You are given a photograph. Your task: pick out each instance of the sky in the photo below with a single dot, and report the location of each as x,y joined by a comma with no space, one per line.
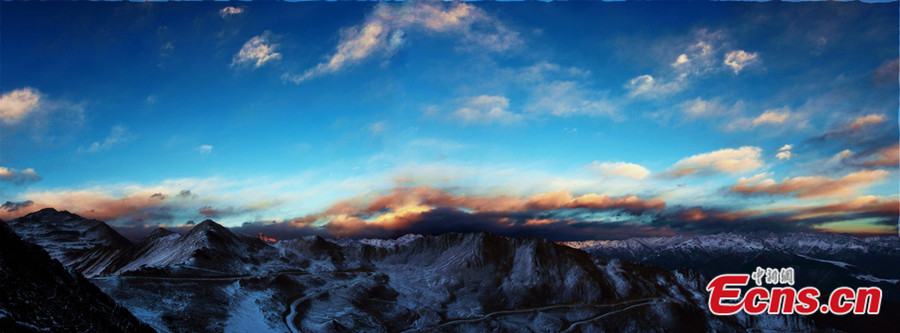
568,121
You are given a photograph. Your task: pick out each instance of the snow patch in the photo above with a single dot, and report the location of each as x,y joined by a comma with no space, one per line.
876,279
246,316
840,264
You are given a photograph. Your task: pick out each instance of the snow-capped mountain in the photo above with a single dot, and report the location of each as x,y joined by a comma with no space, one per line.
38,294
729,252
823,260
208,249
210,279
86,245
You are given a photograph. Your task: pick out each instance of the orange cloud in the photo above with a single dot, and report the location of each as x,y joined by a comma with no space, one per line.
738,215
809,187
93,205
864,204
695,214
886,157
866,120
605,202
739,160
403,207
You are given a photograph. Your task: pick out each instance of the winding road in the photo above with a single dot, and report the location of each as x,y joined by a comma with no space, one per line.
292,308
643,301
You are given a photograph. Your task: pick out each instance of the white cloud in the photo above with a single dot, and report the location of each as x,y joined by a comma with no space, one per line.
384,30
782,116
486,109
784,153
205,149
18,177
622,169
228,11
699,107
378,127
844,154
569,98
649,87
729,160
257,51
15,104
117,135
772,117
682,60
739,59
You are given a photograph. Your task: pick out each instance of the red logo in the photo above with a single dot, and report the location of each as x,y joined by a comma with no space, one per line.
725,297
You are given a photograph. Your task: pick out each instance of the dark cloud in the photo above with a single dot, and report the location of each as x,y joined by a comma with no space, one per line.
282,230
10,206
186,194
159,196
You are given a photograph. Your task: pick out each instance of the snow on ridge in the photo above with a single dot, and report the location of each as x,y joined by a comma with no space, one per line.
402,240
800,242
871,278
840,264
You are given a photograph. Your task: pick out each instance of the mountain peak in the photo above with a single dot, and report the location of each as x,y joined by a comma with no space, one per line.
159,233
209,225
50,212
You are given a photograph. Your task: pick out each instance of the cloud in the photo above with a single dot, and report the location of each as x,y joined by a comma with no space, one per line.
10,206
16,104
771,117
131,206
887,72
117,135
649,87
405,208
782,117
784,153
699,107
18,177
569,98
622,169
889,156
257,51
682,60
90,204
810,187
204,149
739,59
863,204
377,128
729,160
694,59
866,120
229,11
486,109
383,33
843,155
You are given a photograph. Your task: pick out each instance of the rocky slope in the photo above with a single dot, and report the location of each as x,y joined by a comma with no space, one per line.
38,294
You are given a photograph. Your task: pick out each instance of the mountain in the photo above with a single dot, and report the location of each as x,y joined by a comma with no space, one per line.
38,294
456,282
210,279
823,260
86,245
207,249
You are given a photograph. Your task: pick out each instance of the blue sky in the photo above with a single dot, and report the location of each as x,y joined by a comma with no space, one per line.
567,120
